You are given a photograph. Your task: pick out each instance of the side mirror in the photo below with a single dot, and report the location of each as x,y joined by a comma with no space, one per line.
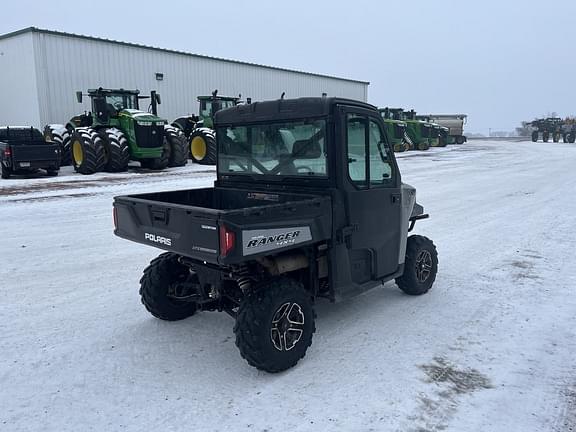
158,99
79,96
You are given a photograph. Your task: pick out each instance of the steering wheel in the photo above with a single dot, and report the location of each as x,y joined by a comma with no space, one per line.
119,106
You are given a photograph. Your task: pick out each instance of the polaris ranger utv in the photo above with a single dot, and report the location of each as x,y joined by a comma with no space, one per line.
308,203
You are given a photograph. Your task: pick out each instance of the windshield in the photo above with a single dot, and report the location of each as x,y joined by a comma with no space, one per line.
122,101
279,149
206,106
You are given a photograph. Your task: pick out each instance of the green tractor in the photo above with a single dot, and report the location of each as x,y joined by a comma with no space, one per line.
199,129
551,126
117,131
418,132
438,133
395,130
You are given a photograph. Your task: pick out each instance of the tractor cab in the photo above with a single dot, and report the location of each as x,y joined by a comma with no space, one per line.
108,104
210,105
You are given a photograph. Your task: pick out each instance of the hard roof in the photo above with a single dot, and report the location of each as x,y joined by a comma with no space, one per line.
92,38
284,109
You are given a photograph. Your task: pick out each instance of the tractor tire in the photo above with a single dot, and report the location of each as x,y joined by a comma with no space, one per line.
545,136
117,150
399,148
535,136
203,146
275,324
88,153
423,146
58,134
571,137
460,140
178,146
420,266
185,124
556,137
156,284
6,172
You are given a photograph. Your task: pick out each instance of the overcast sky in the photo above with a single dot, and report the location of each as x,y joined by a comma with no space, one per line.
499,61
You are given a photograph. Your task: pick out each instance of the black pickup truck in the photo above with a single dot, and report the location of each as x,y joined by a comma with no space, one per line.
308,203
23,151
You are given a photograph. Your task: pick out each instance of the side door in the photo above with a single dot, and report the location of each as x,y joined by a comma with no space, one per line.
372,189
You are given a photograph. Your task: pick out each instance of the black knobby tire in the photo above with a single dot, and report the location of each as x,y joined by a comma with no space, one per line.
535,136
420,266
556,137
178,146
155,286
116,148
87,148
185,124
545,136
423,146
459,139
264,336
59,134
571,137
5,171
203,146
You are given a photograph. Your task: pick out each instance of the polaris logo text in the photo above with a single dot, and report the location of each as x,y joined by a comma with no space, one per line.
278,240
158,239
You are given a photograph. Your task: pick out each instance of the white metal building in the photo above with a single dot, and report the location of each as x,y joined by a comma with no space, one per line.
40,70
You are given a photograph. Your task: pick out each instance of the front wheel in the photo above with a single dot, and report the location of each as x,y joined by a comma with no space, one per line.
275,324
420,266
178,146
545,136
160,285
203,146
571,137
535,136
556,137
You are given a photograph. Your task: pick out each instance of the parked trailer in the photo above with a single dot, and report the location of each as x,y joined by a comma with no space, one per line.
455,123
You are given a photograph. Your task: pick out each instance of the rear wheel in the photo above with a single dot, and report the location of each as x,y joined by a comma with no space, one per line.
556,137
460,139
159,288
117,150
545,136
88,154
275,324
178,146
535,136
571,137
420,266
203,146
59,134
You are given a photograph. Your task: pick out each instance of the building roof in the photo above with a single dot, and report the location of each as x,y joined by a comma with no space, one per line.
92,38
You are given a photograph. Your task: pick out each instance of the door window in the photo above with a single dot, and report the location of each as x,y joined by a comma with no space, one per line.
380,169
369,159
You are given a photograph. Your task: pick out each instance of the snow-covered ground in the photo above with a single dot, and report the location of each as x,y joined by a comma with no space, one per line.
491,348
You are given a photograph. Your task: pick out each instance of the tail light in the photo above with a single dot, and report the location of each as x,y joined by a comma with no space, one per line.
227,240
8,152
